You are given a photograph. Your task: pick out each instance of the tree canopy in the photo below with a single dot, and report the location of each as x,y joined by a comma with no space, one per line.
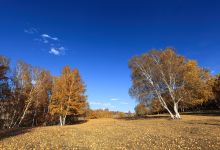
170,78
68,95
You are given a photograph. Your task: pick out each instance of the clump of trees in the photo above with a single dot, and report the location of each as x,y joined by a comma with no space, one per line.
213,104
100,113
106,113
216,89
141,110
171,80
31,96
120,115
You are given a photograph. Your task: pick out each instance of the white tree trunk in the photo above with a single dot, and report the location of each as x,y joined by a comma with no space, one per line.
24,113
64,120
61,121
171,114
175,107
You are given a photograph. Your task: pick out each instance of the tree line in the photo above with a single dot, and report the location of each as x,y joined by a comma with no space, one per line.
31,96
104,113
164,81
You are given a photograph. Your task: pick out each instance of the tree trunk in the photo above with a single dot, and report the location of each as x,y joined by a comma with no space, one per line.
175,108
64,120
12,120
24,113
33,120
61,121
171,114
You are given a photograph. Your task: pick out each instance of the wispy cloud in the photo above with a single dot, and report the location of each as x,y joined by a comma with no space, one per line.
48,37
45,38
114,99
31,30
124,103
95,103
117,100
53,43
102,104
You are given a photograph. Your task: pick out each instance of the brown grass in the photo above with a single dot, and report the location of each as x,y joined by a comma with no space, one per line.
191,132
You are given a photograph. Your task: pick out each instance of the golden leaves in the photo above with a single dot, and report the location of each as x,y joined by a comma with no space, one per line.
68,93
192,132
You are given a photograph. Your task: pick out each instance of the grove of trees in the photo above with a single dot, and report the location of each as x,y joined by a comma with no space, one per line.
162,81
167,81
141,110
31,96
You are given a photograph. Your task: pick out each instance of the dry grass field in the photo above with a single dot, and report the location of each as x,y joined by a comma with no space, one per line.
191,132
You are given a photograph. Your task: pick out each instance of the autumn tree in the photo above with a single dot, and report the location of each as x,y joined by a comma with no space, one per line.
68,95
42,83
198,86
121,115
100,113
155,107
141,110
5,92
216,89
24,90
30,92
170,78
4,83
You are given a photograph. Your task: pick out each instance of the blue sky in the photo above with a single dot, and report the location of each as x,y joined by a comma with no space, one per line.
100,36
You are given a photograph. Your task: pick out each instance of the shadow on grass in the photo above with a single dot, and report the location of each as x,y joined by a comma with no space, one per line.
13,132
18,131
76,122
206,123
203,113
147,117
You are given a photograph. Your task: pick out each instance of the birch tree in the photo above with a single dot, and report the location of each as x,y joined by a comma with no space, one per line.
30,89
166,76
22,89
42,83
68,95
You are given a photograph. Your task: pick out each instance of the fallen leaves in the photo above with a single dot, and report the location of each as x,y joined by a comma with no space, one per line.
121,135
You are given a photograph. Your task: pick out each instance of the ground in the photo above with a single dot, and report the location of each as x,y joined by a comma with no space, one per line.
191,132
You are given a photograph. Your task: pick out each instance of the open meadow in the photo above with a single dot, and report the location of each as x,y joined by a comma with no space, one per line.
110,75
157,132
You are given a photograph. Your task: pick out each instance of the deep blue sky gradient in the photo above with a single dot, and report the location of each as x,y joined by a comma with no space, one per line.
100,36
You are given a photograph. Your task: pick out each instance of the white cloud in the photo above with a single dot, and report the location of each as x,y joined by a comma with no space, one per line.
54,51
114,99
55,38
46,36
95,103
124,103
103,105
57,51
52,43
